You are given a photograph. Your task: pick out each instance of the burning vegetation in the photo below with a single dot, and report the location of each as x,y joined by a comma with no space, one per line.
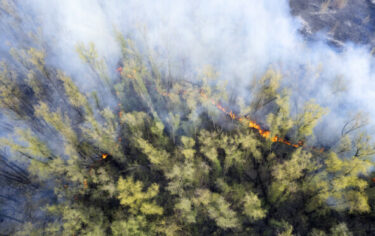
171,157
174,161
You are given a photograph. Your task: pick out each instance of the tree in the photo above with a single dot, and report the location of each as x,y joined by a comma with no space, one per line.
171,157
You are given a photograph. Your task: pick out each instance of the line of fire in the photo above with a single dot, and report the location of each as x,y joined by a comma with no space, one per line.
245,120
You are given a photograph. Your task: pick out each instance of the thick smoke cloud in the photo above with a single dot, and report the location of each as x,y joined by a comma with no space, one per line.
239,38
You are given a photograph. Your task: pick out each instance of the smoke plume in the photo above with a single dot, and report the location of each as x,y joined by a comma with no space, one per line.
240,39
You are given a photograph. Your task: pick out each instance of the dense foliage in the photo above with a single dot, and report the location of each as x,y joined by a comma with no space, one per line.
156,157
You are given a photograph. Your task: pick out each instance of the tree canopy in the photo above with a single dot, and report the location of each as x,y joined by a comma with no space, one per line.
167,156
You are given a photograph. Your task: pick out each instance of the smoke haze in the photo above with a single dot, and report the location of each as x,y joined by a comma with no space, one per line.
241,39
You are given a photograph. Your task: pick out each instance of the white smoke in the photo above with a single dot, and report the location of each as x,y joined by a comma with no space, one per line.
239,38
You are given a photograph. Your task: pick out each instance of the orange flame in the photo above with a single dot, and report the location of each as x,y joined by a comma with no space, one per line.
85,185
104,156
119,69
252,124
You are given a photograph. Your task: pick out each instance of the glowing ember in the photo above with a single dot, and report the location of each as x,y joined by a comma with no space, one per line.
104,156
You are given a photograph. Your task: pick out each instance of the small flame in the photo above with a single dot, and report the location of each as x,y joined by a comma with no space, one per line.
85,185
104,156
119,69
232,115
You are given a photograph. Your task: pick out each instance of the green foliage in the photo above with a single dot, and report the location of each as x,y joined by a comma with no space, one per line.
280,121
35,147
76,98
10,93
159,158
184,208
131,195
89,55
308,119
283,228
347,187
340,229
165,161
252,207
288,174
133,226
58,121
218,209
37,59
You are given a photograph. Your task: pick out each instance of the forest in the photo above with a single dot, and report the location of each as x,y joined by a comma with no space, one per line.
151,153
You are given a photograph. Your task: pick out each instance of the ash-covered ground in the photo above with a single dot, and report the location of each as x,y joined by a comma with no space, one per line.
340,21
